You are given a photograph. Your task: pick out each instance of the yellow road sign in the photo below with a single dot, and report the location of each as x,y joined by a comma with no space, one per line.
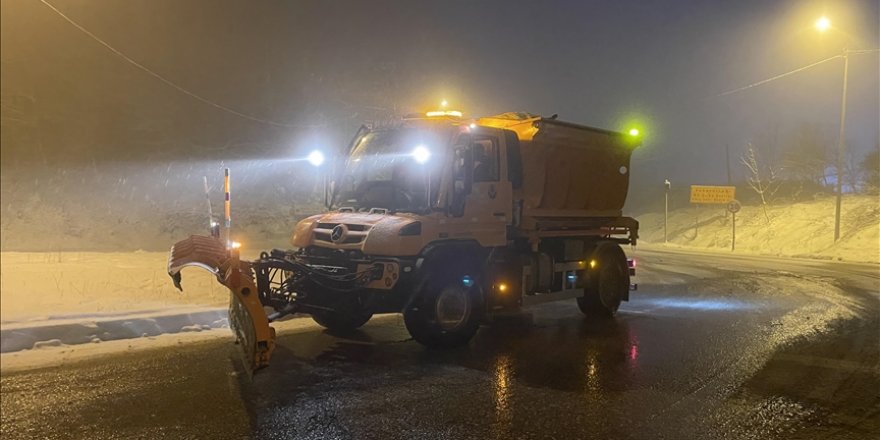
712,194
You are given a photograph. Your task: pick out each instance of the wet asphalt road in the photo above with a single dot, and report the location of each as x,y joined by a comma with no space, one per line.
709,347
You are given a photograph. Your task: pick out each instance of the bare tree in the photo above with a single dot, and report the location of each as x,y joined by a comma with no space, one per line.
852,172
870,171
762,178
805,157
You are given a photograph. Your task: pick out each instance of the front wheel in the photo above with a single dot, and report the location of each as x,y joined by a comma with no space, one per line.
446,315
607,283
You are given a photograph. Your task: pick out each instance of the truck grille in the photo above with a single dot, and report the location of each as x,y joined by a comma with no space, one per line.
353,234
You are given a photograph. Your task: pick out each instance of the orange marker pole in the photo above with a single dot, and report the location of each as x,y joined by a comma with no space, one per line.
226,210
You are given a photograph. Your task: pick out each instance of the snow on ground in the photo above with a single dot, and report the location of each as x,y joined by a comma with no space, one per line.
37,286
800,229
63,298
71,268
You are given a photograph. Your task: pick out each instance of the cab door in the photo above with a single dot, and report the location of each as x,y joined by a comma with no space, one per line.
482,195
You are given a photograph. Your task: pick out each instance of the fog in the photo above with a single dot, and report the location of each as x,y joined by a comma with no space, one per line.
245,84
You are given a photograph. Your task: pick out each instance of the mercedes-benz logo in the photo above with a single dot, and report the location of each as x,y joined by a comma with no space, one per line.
338,233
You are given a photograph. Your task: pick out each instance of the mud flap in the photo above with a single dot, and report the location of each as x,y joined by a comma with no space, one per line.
247,319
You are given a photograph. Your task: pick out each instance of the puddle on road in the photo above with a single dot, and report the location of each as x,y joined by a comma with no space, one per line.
715,304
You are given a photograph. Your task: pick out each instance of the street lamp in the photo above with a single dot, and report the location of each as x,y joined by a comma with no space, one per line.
822,25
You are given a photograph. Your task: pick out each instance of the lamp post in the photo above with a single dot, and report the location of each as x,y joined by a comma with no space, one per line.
841,148
823,24
666,185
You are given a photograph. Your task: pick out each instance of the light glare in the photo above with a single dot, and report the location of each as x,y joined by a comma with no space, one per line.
633,131
421,154
823,24
435,113
316,158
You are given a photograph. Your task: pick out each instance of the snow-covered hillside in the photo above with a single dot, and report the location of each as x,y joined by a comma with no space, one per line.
132,208
799,229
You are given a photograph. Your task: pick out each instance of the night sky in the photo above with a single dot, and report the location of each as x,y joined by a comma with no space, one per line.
325,67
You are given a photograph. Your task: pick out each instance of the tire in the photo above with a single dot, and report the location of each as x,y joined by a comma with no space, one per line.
346,317
446,314
608,282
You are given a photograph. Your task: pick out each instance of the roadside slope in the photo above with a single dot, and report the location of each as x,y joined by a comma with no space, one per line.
802,229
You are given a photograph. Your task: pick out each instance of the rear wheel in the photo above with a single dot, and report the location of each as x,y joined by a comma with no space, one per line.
446,315
608,281
346,316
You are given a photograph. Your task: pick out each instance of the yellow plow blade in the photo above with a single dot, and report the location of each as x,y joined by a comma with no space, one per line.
247,319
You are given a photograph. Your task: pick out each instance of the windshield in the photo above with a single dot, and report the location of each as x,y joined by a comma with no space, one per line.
394,169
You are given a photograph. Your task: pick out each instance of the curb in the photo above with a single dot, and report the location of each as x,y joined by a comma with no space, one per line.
53,333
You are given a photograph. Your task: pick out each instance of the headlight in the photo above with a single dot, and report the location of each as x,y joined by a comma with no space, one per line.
421,154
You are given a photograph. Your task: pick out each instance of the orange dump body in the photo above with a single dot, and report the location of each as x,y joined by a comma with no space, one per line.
569,170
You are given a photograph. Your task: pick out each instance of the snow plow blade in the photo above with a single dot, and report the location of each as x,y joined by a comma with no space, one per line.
247,319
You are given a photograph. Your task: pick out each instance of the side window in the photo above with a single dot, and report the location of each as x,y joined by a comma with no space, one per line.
485,150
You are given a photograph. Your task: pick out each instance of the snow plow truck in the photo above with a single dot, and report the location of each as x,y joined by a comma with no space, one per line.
450,222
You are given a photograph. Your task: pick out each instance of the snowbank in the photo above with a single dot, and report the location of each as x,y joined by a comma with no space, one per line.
72,331
800,229
38,286
65,298
57,353
61,354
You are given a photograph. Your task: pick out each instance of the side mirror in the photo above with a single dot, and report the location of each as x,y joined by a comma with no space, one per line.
463,179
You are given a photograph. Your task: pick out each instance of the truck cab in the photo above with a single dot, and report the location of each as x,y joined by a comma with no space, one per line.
423,180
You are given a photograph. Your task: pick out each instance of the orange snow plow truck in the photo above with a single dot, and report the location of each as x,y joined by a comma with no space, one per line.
447,221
